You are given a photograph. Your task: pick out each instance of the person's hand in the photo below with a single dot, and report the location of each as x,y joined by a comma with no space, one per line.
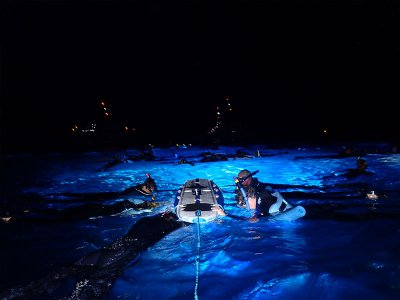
254,219
218,209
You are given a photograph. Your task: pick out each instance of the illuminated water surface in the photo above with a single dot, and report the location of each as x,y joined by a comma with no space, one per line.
346,246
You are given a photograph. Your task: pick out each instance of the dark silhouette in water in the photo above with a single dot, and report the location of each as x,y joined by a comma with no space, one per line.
346,152
123,158
361,169
147,188
118,159
211,157
93,209
185,161
94,274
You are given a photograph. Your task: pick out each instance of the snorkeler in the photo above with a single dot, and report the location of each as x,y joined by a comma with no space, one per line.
93,206
361,169
256,195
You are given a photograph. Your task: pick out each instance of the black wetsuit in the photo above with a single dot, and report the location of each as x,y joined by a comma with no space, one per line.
131,191
94,274
95,210
263,193
93,206
352,173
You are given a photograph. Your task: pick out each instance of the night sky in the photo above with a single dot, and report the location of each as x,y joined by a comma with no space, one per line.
289,68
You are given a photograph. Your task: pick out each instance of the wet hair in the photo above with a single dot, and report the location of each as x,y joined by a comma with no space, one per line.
150,184
244,173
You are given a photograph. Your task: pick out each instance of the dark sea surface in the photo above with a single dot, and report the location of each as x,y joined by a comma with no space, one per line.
346,247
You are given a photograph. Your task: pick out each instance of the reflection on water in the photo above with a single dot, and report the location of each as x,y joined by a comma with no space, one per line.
346,246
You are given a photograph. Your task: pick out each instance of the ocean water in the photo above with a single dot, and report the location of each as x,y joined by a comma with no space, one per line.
346,246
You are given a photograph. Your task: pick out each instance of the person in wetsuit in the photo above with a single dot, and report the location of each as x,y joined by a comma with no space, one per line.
93,206
147,188
361,169
255,195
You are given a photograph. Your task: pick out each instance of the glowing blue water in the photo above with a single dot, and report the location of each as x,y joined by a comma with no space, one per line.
347,246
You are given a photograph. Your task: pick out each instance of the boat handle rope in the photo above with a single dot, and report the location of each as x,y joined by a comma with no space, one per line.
196,297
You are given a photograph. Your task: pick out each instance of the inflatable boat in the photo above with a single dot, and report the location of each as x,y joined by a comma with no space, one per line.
194,201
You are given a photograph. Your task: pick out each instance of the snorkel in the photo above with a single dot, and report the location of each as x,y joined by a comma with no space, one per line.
241,188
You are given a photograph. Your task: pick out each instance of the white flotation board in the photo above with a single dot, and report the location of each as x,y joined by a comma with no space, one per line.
290,214
194,201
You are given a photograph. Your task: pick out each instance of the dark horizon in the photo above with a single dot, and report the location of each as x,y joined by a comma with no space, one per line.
290,69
